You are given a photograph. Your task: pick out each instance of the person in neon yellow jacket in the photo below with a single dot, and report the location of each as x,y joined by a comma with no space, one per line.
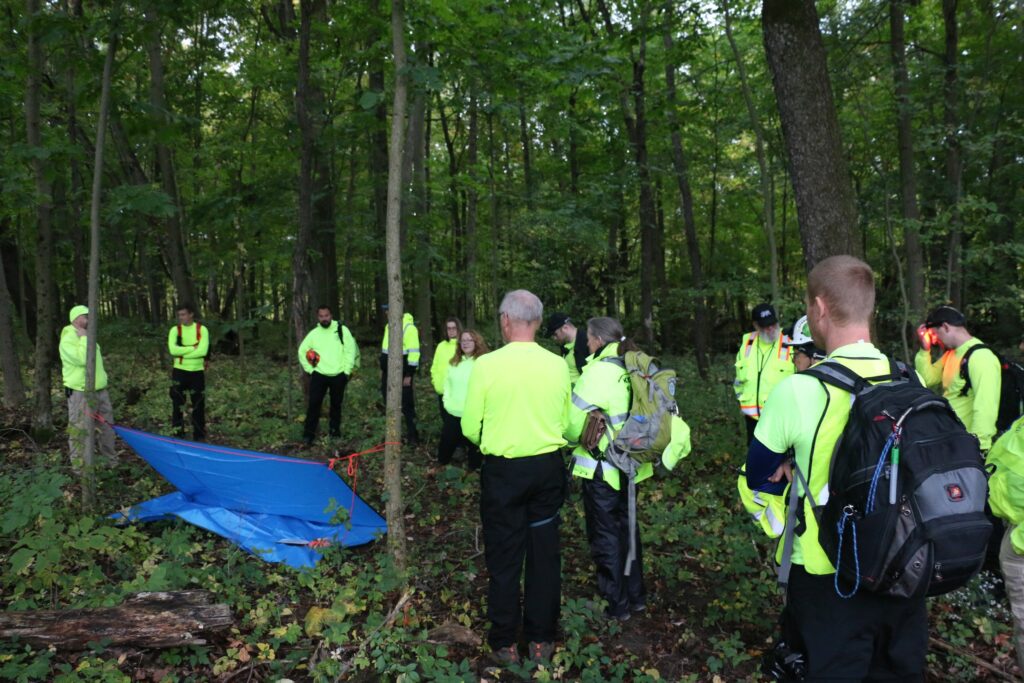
456,386
410,364
973,391
188,342
863,636
516,412
443,354
329,354
763,360
1006,498
73,348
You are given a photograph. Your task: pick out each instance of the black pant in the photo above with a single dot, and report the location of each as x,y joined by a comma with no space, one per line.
451,438
408,402
319,385
864,638
751,425
607,515
194,382
519,503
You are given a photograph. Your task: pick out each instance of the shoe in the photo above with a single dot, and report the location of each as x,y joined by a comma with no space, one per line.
507,655
624,616
540,652
638,607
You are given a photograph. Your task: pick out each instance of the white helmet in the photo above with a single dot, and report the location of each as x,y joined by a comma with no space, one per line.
801,333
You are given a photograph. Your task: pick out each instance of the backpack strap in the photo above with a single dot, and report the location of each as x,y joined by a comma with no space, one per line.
790,529
838,375
965,374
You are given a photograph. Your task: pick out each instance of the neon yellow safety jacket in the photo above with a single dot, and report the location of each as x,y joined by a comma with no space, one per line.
759,367
410,341
439,367
517,401
809,416
603,386
456,386
1006,485
72,359
338,355
570,361
979,409
767,509
189,346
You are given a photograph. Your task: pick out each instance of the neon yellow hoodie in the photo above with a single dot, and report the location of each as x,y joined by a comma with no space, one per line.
336,356
195,344
439,367
72,359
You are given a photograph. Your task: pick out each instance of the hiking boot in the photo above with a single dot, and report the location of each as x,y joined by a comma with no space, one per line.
624,616
540,652
638,607
507,655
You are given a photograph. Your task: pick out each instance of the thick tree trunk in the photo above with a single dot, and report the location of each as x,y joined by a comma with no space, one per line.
764,173
637,124
682,172
75,231
144,620
908,174
825,202
14,387
418,141
954,163
42,418
396,299
302,302
176,252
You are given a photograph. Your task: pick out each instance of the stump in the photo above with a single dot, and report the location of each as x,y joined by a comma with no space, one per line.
159,619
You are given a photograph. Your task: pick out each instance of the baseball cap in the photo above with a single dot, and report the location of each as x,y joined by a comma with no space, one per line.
77,311
555,321
945,314
764,315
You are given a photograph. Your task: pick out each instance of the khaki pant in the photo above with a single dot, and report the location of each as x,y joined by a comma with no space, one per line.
76,426
1012,565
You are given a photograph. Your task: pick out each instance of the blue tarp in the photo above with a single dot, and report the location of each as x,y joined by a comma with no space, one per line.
271,505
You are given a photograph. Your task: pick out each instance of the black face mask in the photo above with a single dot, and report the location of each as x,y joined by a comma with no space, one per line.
325,323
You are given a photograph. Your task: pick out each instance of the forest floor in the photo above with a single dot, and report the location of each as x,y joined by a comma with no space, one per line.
711,612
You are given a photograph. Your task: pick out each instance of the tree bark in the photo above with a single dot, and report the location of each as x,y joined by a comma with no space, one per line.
471,214
42,417
954,163
14,387
396,299
144,620
682,171
176,252
524,140
379,159
764,173
825,202
908,174
301,280
88,472
418,141
75,232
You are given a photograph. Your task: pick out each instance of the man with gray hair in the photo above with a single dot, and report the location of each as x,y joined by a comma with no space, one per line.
516,412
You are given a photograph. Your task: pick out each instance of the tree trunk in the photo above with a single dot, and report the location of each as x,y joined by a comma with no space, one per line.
88,471
173,619
301,294
825,202
42,418
379,160
681,165
75,231
954,164
396,299
14,387
420,224
176,253
637,124
908,175
524,140
471,212
767,193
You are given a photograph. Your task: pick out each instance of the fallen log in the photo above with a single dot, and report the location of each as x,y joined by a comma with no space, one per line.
156,619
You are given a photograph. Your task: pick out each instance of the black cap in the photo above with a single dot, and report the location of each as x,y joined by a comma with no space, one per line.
555,321
763,315
945,314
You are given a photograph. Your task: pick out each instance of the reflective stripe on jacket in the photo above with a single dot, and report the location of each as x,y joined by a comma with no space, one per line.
410,341
759,367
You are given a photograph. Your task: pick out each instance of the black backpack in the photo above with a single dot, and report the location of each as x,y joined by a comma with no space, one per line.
1011,393
905,515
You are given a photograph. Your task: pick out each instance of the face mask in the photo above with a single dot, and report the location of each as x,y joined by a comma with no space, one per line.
325,324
